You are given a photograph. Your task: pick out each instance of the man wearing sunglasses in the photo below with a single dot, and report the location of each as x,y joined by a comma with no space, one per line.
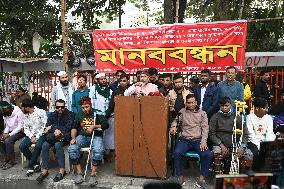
58,134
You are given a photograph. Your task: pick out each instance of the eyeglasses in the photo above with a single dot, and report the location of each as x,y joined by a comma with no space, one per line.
58,107
123,80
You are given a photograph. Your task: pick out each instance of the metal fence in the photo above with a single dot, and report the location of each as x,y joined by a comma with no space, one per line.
42,82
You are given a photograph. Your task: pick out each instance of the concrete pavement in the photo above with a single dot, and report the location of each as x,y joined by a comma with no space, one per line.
15,178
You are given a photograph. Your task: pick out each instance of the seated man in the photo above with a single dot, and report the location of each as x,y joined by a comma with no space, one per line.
86,122
260,129
34,124
194,134
58,133
220,134
13,121
142,87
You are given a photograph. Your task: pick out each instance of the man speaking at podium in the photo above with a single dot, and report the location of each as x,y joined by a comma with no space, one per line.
143,87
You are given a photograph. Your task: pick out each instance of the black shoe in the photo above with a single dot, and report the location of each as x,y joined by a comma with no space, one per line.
41,177
58,177
30,172
36,168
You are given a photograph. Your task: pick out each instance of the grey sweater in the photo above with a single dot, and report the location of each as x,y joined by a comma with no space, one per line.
221,129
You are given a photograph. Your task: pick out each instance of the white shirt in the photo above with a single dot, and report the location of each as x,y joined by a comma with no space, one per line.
203,90
260,129
34,123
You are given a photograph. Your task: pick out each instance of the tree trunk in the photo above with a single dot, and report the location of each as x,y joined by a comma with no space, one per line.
168,12
181,10
241,9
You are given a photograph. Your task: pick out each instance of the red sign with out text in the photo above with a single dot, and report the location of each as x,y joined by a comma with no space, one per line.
172,48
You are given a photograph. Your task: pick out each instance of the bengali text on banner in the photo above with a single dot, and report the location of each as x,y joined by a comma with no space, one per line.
172,48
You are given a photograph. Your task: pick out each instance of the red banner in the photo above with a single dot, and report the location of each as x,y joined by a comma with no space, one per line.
172,48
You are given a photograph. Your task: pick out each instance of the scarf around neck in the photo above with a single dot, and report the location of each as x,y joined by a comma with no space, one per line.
104,91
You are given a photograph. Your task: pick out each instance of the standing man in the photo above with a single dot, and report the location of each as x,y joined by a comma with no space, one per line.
178,95
79,93
87,122
100,94
230,87
262,88
109,133
115,84
153,77
260,129
34,123
207,94
193,82
13,121
194,134
63,90
58,133
22,95
143,87
167,83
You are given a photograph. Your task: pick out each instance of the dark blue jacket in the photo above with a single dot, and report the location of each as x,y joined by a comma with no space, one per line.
64,123
211,99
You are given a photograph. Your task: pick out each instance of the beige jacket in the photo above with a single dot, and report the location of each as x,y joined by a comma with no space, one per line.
194,124
173,96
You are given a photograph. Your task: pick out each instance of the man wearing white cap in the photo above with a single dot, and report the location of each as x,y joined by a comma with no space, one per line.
100,94
63,90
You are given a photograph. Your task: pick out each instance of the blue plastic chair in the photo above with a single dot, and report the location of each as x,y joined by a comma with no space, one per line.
193,154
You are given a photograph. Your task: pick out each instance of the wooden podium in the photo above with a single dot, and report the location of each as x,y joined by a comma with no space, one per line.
141,136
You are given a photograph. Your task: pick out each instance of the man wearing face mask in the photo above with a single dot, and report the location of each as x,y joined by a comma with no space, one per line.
34,124
79,93
143,87
260,129
63,90
13,121
220,134
100,94
178,95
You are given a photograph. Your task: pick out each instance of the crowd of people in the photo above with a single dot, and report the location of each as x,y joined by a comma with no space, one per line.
202,115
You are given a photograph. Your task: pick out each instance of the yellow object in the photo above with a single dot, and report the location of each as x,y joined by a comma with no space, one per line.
247,92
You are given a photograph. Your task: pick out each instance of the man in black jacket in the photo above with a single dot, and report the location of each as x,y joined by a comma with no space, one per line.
109,133
58,134
262,86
